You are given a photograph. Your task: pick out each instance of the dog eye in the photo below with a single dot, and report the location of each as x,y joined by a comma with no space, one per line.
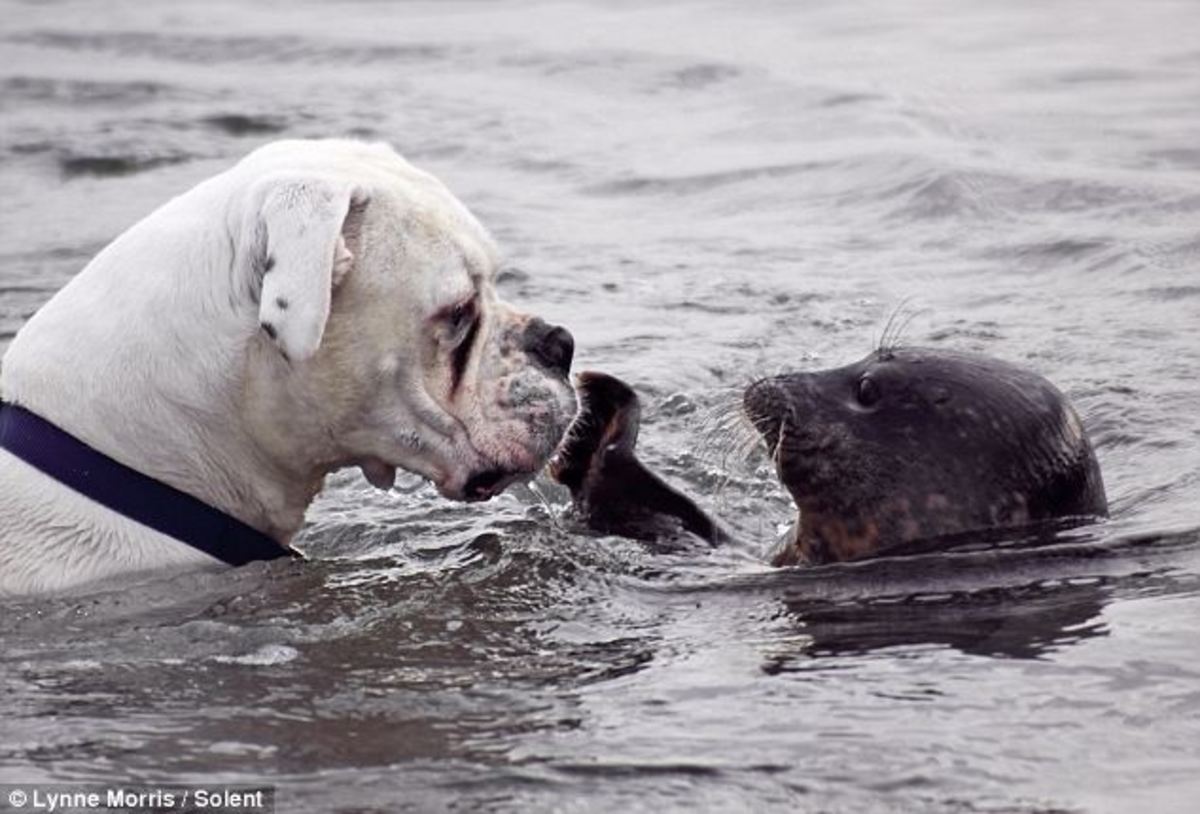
867,392
459,319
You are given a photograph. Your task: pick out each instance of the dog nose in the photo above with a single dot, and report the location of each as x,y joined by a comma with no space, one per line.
550,346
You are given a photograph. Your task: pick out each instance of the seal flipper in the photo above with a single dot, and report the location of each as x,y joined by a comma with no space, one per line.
613,492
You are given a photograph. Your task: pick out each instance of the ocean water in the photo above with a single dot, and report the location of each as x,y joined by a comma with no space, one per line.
703,192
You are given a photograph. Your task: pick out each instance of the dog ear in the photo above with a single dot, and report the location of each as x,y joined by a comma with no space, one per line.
306,222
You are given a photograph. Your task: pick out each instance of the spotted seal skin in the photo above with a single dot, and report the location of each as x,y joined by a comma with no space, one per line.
906,446
914,444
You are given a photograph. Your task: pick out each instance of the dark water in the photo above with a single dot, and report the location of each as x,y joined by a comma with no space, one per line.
702,192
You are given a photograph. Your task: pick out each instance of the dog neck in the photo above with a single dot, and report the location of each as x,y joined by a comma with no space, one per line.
145,362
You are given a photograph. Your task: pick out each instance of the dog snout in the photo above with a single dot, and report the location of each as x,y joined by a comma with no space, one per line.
550,346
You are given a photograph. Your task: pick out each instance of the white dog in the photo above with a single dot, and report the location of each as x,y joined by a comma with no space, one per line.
322,304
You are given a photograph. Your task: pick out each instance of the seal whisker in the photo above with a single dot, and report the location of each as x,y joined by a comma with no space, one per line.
777,453
897,324
884,341
726,439
727,436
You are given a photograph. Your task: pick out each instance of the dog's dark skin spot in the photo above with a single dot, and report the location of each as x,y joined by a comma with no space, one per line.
269,329
268,264
282,303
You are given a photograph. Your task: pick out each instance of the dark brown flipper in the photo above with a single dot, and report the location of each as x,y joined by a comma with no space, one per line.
613,492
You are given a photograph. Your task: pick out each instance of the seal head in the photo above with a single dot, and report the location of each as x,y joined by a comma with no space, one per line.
913,444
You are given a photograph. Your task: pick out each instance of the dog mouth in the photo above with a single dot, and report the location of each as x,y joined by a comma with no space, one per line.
480,485
487,483
476,466
499,466
493,469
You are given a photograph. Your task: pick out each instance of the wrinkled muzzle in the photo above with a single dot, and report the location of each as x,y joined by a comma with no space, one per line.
517,409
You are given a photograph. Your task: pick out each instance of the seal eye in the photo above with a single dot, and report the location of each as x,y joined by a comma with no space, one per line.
867,392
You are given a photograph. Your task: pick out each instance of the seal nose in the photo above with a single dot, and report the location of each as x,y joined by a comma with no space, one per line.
765,403
550,346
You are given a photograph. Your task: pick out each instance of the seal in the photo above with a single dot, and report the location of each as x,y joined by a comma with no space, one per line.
907,446
611,489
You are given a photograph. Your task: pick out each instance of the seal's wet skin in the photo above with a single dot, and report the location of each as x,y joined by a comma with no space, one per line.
908,446
612,490
914,444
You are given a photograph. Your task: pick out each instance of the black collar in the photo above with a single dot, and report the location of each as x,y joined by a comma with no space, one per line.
130,493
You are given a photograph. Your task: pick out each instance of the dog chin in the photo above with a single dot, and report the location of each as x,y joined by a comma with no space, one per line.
477,471
492,474
480,482
483,484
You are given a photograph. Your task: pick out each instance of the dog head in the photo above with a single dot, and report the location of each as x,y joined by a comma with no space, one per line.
379,340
